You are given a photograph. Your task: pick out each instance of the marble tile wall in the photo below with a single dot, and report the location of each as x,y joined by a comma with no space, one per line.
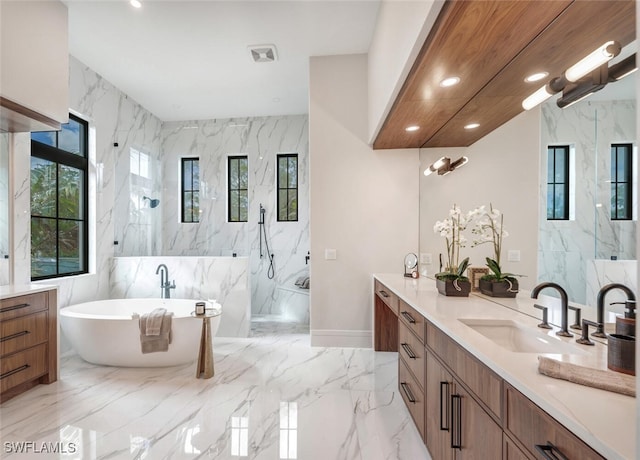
568,248
224,279
261,139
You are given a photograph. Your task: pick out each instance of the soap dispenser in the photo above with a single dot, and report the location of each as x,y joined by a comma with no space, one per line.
626,325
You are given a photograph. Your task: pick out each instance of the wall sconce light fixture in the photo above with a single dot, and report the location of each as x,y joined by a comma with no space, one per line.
444,166
587,76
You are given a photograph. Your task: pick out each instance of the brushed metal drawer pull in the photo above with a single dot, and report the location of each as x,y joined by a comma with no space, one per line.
15,371
408,350
14,307
408,317
383,293
14,336
550,452
444,405
456,430
408,392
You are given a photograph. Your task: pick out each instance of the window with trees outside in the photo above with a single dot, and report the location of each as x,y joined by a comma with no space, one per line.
287,187
59,201
621,182
238,188
190,190
558,182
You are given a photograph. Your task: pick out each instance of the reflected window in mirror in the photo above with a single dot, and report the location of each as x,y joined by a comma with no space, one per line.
558,182
621,181
287,187
59,201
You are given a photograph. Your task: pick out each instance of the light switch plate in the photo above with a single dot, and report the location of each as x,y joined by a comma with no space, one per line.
425,258
330,254
513,255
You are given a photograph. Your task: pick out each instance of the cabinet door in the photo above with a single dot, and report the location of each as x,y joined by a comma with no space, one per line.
475,434
438,388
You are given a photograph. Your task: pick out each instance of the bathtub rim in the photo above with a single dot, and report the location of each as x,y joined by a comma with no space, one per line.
69,312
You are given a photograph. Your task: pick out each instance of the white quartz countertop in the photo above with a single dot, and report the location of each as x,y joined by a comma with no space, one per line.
604,420
15,290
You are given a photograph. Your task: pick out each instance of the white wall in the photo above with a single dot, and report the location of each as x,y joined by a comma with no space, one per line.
364,203
502,170
401,28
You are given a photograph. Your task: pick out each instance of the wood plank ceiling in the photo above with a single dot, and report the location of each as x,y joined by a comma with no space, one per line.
492,45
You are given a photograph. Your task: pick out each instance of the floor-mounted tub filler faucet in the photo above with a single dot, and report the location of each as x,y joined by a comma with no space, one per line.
165,286
564,299
631,297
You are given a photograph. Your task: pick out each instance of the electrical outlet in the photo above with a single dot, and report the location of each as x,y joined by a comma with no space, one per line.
425,258
330,254
513,255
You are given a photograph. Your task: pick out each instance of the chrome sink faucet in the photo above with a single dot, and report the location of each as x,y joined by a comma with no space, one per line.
564,299
600,307
165,286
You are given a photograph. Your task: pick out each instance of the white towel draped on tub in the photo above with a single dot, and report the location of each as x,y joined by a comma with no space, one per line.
155,331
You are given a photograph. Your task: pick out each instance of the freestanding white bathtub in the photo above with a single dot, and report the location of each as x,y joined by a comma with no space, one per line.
104,331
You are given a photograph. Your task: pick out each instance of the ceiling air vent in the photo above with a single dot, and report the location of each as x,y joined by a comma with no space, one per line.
263,53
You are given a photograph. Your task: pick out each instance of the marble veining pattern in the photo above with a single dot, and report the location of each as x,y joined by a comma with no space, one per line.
273,396
567,250
224,279
260,139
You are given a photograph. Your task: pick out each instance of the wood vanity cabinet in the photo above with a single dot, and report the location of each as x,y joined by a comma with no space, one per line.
385,318
412,363
457,423
535,430
28,342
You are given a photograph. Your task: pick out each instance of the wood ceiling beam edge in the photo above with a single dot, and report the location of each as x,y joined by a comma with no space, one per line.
488,83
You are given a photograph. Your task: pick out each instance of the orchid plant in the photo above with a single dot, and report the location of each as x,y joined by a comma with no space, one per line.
451,229
489,228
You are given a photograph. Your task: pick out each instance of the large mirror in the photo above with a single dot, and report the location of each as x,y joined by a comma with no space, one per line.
509,169
4,208
596,245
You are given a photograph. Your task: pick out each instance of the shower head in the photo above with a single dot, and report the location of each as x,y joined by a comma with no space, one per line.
153,203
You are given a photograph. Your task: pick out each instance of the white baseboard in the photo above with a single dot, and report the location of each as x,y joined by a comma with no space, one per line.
341,338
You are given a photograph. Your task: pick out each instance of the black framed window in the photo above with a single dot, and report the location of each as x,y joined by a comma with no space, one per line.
621,181
190,190
558,182
59,201
238,188
287,187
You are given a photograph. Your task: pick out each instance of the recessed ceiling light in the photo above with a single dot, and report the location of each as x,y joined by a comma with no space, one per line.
449,82
412,128
536,77
472,126
135,3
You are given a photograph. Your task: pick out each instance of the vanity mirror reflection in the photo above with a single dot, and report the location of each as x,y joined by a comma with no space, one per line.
4,208
593,241
508,168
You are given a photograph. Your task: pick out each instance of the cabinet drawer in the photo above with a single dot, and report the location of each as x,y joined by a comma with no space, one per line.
413,319
510,451
15,307
534,427
387,296
486,385
24,332
412,396
23,366
413,353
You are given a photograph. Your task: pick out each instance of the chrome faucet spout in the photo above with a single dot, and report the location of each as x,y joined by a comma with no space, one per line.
600,305
564,300
164,280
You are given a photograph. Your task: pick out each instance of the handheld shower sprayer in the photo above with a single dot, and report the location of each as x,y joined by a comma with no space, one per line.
263,233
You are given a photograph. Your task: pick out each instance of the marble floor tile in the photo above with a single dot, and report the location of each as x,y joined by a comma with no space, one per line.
272,397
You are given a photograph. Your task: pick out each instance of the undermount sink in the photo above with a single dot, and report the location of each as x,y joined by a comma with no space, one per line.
518,338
